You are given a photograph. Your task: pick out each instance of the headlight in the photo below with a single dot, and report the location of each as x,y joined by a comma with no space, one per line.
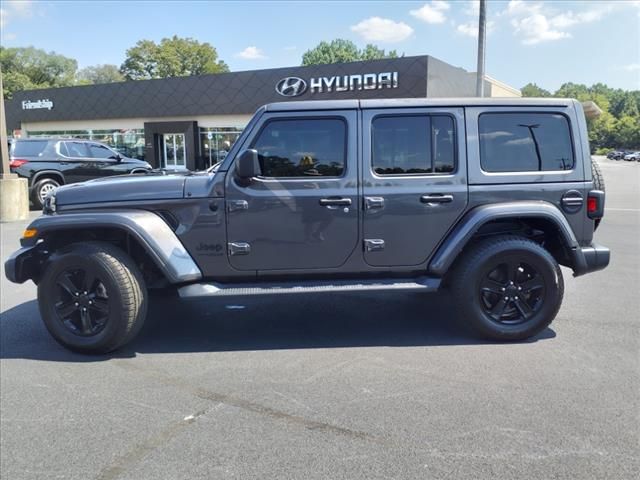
49,204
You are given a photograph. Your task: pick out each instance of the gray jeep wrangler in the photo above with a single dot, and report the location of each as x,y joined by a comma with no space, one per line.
484,197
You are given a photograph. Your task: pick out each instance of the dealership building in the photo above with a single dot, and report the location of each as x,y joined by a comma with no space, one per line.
190,122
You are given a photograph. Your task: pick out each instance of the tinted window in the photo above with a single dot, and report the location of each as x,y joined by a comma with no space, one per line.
31,148
302,148
416,144
524,142
100,151
76,149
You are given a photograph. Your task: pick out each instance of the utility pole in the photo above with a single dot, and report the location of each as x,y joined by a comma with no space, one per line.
5,172
482,36
14,191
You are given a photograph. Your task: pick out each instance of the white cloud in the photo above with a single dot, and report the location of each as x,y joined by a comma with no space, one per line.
432,12
632,67
251,53
470,29
378,29
537,22
536,28
15,9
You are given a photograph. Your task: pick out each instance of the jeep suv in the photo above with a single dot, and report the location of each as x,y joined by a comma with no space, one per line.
49,163
484,197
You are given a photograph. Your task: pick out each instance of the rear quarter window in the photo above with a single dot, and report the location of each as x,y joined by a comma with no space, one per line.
525,142
31,148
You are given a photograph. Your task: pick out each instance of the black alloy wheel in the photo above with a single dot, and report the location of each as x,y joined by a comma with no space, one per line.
82,302
92,297
506,288
512,292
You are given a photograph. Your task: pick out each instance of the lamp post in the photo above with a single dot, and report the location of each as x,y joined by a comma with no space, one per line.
482,34
14,191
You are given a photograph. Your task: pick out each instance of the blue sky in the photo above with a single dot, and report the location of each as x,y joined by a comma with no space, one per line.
546,42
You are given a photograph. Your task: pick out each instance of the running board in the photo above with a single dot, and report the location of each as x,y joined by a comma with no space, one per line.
424,284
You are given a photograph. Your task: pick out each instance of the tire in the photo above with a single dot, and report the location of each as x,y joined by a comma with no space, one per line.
598,184
114,303
41,189
487,267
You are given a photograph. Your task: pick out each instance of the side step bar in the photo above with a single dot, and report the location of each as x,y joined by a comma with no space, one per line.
425,284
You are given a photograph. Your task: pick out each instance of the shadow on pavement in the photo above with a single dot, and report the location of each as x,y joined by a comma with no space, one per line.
260,323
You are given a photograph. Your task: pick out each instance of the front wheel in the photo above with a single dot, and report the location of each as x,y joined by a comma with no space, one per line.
92,297
41,189
507,288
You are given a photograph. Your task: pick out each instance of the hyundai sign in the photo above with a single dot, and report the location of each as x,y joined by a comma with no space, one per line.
295,86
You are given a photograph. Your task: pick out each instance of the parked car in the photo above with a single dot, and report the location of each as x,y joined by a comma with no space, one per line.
48,163
485,197
616,154
632,157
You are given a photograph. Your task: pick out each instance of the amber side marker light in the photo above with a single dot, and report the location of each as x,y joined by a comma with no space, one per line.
30,233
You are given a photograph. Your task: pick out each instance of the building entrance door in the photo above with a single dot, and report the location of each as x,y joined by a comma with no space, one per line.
173,150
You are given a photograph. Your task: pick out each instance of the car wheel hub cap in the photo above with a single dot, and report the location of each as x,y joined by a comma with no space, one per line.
512,292
82,302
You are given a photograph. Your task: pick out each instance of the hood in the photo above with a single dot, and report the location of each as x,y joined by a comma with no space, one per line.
122,188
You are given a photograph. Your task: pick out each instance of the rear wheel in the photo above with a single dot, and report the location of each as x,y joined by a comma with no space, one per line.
92,298
41,189
507,288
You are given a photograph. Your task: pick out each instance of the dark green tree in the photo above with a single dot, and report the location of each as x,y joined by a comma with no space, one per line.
100,74
342,51
533,90
26,68
172,57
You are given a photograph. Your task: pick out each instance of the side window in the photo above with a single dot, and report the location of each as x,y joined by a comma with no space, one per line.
100,151
413,144
77,149
62,148
525,142
302,148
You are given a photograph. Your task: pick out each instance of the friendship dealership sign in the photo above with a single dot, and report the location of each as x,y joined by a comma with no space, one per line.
295,86
37,104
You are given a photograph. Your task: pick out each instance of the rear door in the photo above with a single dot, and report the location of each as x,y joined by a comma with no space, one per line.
414,182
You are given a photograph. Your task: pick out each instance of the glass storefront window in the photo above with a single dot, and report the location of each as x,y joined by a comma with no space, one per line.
216,142
128,142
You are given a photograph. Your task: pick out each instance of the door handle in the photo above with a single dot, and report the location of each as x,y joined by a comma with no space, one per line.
436,198
335,202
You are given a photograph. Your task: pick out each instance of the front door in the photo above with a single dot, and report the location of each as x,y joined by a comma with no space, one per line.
414,182
173,151
302,211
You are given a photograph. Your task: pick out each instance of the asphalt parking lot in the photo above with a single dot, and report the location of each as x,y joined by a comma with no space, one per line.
335,386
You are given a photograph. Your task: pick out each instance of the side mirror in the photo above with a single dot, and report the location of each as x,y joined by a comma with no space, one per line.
247,165
117,157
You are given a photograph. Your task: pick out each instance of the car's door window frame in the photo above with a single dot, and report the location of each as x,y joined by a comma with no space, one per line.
69,153
345,146
398,114
89,144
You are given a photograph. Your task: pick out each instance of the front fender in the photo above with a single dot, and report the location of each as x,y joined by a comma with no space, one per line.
151,231
479,216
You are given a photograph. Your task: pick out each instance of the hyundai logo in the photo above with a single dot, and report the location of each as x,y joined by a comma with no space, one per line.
291,87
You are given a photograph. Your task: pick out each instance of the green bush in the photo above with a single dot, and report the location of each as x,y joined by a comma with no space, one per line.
603,150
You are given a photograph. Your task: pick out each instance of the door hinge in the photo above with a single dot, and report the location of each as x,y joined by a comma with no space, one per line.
373,244
373,202
235,205
239,248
